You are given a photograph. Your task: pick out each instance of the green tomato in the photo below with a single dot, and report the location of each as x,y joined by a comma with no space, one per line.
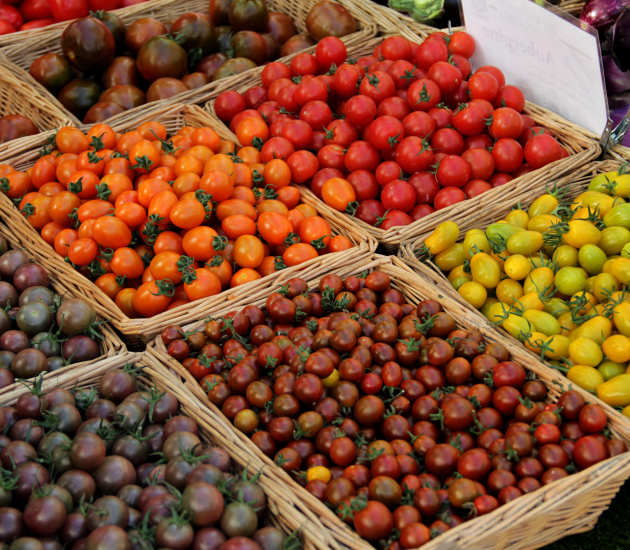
613,239
610,369
592,258
570,280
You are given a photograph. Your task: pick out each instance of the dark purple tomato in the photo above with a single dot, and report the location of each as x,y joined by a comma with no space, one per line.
79,95
141,31
161,57
166,87
51,70
122,70
29,363
102,110
248,14
80,348
16,126
88,44
210,64
194,31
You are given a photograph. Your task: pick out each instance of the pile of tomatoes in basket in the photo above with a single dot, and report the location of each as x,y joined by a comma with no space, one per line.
158,222
397,134
403,423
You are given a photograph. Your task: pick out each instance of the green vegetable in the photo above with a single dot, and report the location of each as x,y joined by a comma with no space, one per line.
420,10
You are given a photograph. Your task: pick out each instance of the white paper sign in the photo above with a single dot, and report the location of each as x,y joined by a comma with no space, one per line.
554,62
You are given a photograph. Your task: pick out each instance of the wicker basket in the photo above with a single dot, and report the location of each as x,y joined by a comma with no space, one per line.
17,97
567,506
284,509
25,51
141,330
111,345
582,145
619,152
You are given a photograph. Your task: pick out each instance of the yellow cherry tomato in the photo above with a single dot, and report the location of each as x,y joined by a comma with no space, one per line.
451,257
557,347
625,251
485,270
542,222
458,276
597,328
566,323
331,380
585,376
531,300
565,255
613,239
517,326
620,269
320,473
603,286
618,215
474,293
621,318
517,217
570,280
617,348
603,182
517,267
595,199
543,322
475,241
583,351
497,311
581,232
622,186
501,231
485,309
616,392
525,242
545,204
444,236
540,280
508,291
591,258
610,369
556,306
536,341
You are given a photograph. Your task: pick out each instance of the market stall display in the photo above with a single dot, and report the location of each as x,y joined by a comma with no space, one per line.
296,371
204,40
560,261
424,144
121,455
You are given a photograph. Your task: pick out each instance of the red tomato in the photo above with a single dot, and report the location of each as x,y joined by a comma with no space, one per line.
447,76
11,15
37,24
425,185
423,94
447,196
398,195
96,5
68,9
453,171
360,110
542,149
346,79
418,123
6,27
377,85
394,218
508,155
330,50
414,154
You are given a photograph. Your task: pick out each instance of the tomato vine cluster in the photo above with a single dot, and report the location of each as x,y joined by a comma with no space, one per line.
400,421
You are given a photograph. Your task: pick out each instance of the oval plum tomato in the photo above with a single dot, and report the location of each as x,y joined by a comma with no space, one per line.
483,85
508,155
378,85
446,76
360,110
384,132
469,120
338,193
361,155
542,149
423,94
370,211
430,52
346,80
330,51
414,154
398,195
425,185
418,123
481,163
394,218
453,171
506,123
365,184
447,196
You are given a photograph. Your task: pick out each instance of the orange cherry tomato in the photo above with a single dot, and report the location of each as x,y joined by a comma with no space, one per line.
34,206
118,165
221,268
185,183
61,207
248,251
272,205
84,184
338,193
268,266
108,284
188,163
112,185
251,129
164,265
127,141
111,232
249,155
315,231
51,188
243,175
244,275
201,152
71,140
218,184
244,193
101,136
94,209
235,206
296,217
50,231
152,298
205,283
274,228
63,240
238,224
207,137
43,171
168,241
149,188
339,243
86,229
144,156
83,251
161,205
66,168
124,300
289,196
220,163
165,173
198,243
277,173
187,214
127,196
152,131
226,147
298,253
126,262
132,213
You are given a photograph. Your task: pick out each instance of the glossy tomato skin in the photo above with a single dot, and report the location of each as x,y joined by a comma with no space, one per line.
68,9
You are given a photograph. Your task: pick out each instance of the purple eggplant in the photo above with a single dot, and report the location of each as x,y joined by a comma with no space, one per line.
621,40
617,81
600,13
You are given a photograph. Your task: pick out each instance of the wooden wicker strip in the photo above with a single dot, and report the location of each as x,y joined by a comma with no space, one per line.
567,506
111,344
23,52
574,7
619,152
581,144
138,331
17,97
285,510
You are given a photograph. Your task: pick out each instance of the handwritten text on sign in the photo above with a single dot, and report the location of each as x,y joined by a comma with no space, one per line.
554,62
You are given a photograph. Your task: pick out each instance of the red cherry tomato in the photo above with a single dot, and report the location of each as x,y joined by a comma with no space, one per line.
63,10
35,9
11,15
